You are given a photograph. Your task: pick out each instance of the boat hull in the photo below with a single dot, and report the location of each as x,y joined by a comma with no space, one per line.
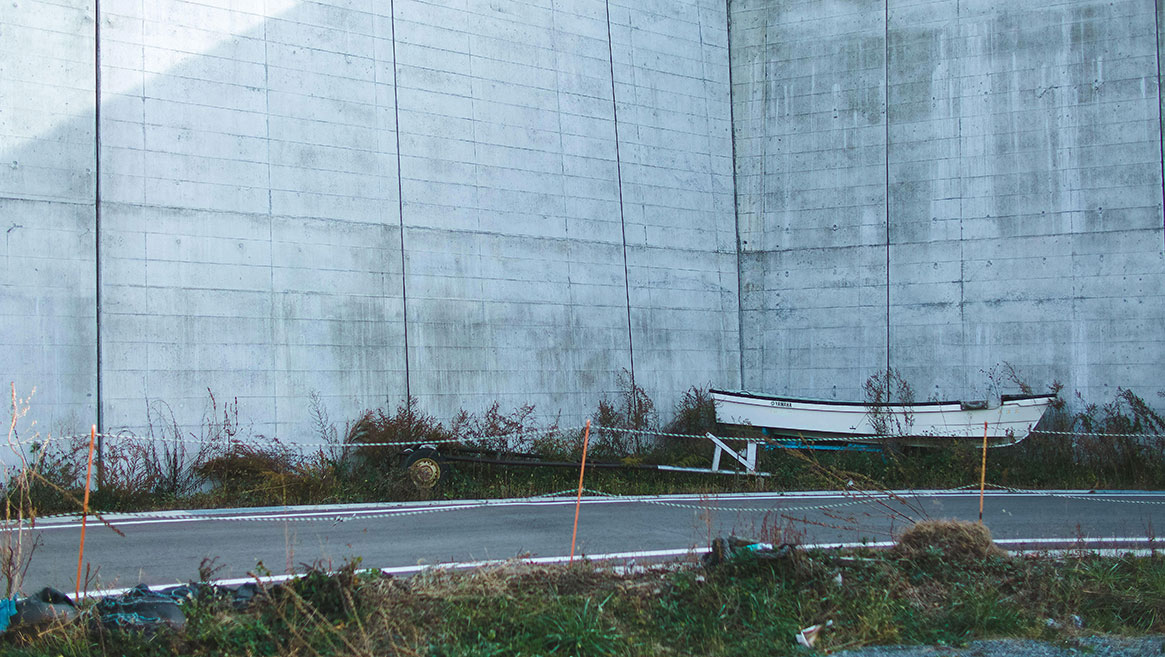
922,424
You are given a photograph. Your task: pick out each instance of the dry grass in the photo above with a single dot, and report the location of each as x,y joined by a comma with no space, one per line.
745,606
516,578
956,541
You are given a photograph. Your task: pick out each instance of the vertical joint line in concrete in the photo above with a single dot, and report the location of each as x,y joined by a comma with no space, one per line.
735,201
619,178
886,123
97,225
400,200
1160,119
267,132
270,213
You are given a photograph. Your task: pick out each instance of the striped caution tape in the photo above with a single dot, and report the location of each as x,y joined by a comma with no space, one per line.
255,442
864,498
1098,497
339,517
1097,434
1069,496
665,434
730,509
336,517
272,442
651,432
307,516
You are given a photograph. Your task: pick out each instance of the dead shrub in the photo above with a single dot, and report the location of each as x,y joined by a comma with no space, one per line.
695,415
1130,444
1127,413
273,473
17,543
956,541
623,425
407,426
889,398
496,431
242,464
172,467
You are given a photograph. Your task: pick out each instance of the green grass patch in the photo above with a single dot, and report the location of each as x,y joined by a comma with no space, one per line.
745,606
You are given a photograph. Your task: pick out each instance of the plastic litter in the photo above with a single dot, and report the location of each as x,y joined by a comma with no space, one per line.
142,609
7,611
148,610
808,636
245,594
724,549
46,607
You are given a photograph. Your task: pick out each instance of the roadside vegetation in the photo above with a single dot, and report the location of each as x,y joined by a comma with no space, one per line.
221,464
944,583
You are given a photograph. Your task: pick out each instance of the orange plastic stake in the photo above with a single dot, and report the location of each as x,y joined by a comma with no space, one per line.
85,510
578,500
983,474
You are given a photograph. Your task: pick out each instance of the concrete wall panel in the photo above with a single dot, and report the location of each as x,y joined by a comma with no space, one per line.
675,145
809,100
47,288
514,264
251,240
994,103
1022,164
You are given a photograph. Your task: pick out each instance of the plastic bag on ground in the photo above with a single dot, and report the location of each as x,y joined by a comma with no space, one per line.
46,607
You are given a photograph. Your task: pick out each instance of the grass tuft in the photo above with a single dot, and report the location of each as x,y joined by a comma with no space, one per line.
956,541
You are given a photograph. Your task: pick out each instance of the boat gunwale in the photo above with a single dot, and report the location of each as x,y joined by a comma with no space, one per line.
833,402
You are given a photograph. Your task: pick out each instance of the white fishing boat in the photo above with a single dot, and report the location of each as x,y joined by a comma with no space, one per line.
920,424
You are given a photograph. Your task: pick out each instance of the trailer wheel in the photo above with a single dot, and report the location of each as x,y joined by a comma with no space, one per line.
426,468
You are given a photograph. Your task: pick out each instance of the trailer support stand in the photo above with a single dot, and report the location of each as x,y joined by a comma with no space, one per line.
747,458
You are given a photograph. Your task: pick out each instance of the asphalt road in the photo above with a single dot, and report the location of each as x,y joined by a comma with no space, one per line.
166,548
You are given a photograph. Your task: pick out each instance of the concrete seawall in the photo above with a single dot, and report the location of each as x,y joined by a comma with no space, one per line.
468,202
947,187
519,200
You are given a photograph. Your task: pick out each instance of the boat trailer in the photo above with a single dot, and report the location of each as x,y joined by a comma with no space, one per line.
426,465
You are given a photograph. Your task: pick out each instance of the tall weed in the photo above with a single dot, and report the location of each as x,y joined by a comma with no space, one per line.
623,423
694,415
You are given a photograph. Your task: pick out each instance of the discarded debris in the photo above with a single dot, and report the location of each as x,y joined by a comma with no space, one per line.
34,613
808,636
240,596
146,610
142,609
724,549
7,611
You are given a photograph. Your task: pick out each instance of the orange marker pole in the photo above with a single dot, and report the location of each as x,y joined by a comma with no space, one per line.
85,510
578,501
983,474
